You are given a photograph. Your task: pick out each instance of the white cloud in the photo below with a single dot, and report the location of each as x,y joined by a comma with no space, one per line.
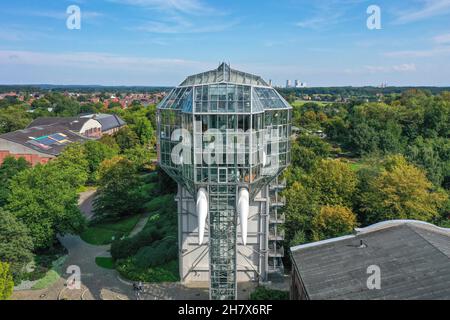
440,51
328,13
184,6
428,9
179,25
406,67
442,39
180,16
88,60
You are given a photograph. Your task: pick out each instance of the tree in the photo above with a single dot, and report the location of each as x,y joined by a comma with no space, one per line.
110,141
374,127
118,182
13,118
9,168
299,210
16,244
6,281
143,129
73,164
141,156
96,153
332,182
432,155
42,103
333,221
46,201
126,138
63,106
307,150
401,191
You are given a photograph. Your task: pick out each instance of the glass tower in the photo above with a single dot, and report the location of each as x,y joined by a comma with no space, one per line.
224,137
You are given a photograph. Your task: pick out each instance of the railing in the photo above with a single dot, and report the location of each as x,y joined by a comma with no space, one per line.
276,235
277,218
277,201
278,185
275,267
277,252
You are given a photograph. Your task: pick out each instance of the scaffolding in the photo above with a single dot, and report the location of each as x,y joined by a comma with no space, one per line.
222,242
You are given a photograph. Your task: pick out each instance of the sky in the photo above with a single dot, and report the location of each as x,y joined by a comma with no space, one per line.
160,42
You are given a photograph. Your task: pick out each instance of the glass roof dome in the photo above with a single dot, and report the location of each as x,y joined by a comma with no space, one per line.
235,91
243,107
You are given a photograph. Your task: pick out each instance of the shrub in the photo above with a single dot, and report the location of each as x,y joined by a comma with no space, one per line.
158,253
263,293
164,273
6,281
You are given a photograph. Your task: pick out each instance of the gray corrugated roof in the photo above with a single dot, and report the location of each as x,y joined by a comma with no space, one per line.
414,262
24,137
109,121
71,123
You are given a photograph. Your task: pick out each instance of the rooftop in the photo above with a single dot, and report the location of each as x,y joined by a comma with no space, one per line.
50,139
108,121
414,259
224,90
224,74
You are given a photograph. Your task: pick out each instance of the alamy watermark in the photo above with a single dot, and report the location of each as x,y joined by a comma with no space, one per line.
229,147
374,19
374,280
74,280
73,21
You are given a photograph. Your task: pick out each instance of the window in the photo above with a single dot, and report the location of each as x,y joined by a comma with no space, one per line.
223,175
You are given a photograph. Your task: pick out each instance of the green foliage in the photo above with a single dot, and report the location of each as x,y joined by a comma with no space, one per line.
333,221
6,281
44,261
9,168
164,273
160,252
298,239
103,232
105,262
97,152
157,203
432,155
15,243
400,191
300,209
152,254
45,200
141,156
14,118
332,182
308,150
72,163
62,105
126,138
263,293
52,275
143,129
118,191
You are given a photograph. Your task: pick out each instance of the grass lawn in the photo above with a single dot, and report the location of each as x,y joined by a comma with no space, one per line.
105,262
104,232
300,103
51,276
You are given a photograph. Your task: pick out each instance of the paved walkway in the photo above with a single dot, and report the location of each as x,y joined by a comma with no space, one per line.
85,202
100,283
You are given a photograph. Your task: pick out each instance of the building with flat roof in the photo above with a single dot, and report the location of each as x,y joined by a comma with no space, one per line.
412,258
224,137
